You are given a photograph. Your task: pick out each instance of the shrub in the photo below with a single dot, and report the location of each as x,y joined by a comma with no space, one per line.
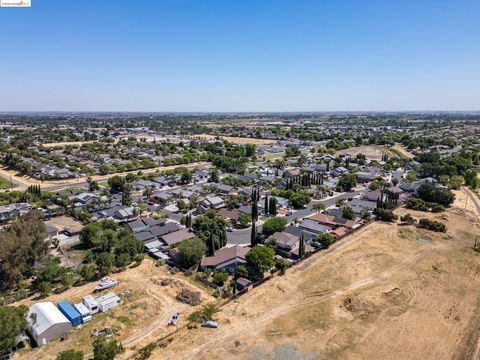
408,219
416,204
432,225
437,208
386,215
219,278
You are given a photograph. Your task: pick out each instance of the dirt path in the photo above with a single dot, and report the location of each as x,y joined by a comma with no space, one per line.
403,151
474,199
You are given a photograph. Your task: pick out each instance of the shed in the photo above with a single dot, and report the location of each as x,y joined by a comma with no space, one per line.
70,312
108,301
84,311
48,324
91,303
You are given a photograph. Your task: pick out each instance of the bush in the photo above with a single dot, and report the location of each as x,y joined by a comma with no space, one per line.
219,278
408,219
437,208
386,215
325,238
432,225
416,204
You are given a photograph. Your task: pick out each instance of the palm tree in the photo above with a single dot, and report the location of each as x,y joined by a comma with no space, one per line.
318,207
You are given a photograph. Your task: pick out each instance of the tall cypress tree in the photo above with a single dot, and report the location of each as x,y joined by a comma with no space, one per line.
266,204
253,235
301,248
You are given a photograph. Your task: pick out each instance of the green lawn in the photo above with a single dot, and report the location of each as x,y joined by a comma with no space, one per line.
5,184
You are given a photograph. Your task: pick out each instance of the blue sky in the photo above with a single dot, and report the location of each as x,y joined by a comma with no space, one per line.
243,55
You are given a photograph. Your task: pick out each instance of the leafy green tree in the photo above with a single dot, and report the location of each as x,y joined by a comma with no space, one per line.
211,229
190,252
299,200
104,349
70,355
220,278
348,213
45,288
259,260
88,272
274,225
318,207
386,215
431,193
325,238
243,220
116,183
471,178
104,263
347,182
241,271
250,150
12,323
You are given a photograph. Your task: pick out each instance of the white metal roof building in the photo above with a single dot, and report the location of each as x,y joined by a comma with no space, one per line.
48,324
84,311
108,301
91,303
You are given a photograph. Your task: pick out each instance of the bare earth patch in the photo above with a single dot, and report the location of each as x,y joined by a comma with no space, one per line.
236,140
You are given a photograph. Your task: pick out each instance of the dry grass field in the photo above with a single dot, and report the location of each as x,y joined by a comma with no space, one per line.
237,140
370,152
65,143
387,292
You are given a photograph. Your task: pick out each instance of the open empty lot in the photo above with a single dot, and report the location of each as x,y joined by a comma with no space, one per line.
387,292
237,140
370,152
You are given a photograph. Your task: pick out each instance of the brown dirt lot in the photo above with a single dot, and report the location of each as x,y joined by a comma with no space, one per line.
65,143
237,140
370,152
386,292
141,317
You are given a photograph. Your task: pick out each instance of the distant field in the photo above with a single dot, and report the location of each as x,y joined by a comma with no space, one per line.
370,152
237,140
65,143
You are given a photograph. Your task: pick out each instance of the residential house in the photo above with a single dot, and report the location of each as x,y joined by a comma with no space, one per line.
226,259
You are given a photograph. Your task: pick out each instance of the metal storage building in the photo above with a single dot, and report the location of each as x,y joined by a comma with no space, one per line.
84,311
48,324
70,312
108,301
91,303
